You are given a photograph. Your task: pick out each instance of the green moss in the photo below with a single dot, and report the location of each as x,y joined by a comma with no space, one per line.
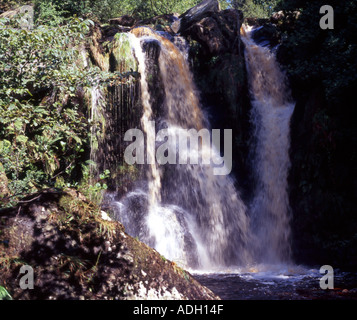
122,56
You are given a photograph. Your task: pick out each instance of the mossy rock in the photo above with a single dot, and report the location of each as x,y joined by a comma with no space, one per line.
76,254
122,58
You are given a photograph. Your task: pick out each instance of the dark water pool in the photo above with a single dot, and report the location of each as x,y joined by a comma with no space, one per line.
295,283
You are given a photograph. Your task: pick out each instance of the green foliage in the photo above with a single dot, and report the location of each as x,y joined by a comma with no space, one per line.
43,135
93,190
145,9
255,8
6,5
322,67
50,11
42,58
325,55
46,12
53,12
4,295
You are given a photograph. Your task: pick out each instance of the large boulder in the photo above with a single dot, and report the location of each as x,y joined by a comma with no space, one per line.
217,32
195,14
76,252
217,55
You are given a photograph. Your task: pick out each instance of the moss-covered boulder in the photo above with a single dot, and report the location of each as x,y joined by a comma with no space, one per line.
76,252
110,50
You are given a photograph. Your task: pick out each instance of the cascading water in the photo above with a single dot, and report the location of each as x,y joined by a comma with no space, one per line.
185,211
154,179
189,214
271,273
272,109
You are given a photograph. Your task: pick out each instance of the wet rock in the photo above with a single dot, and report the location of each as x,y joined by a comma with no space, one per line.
217,55
126,21
267,34
96,51
195,14
217,32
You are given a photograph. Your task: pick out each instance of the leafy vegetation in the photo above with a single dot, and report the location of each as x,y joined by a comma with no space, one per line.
255,8
322,67
51,11
326,55
4,295
104,10
43,130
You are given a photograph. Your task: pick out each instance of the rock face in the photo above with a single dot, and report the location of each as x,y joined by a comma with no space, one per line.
76,253
218,63
195,14
218,32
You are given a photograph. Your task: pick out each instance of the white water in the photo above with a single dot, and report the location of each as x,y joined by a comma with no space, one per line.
271,113
97,125
154,172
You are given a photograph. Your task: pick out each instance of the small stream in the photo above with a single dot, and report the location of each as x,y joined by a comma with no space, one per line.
280,283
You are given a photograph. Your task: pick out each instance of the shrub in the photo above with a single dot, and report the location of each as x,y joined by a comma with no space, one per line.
43,131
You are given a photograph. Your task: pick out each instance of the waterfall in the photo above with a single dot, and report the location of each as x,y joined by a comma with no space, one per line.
97,124
185,211
154,173
272,108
